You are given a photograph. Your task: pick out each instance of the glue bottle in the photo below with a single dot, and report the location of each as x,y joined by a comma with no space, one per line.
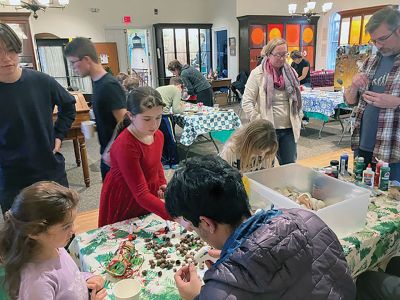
368,177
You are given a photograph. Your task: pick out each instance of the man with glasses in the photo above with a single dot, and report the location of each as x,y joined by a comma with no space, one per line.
376,90
29,140
108,99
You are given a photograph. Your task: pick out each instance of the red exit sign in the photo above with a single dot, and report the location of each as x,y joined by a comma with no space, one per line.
127,19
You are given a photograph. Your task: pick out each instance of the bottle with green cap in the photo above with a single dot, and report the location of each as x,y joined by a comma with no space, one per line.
384,177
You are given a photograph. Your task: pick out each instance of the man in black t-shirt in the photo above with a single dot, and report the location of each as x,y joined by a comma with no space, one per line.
302,67
29,140
108,99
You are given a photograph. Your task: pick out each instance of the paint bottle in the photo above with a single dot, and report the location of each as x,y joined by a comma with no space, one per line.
377,172
384,177
335,172
358,172
368,177
344,163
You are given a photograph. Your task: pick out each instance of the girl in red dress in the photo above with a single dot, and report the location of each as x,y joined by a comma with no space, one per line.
136,183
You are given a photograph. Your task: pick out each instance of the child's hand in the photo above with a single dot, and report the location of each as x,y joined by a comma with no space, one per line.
98,295
95,283
161,191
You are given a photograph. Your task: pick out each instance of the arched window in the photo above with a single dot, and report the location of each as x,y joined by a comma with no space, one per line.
334,27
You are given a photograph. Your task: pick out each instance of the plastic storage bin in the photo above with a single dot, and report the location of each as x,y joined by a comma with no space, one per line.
346,204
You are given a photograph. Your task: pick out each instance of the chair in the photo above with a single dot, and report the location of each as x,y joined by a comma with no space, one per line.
348,122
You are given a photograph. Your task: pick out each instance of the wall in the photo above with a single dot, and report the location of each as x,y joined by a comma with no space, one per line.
262,7
77,19
224,17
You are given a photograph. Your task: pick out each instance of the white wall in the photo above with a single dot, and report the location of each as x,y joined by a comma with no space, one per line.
77,19
224,17
263,7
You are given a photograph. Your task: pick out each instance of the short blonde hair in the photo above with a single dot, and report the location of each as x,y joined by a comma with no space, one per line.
272,44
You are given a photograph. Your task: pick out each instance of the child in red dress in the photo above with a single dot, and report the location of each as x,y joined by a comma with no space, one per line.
136,183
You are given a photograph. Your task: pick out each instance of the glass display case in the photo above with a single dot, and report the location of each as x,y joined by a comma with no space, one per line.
19,22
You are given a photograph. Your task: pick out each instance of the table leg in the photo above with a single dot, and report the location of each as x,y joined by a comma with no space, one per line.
322,127
85,166
76,151
215,145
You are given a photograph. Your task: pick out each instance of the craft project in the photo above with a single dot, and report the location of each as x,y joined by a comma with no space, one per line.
126,261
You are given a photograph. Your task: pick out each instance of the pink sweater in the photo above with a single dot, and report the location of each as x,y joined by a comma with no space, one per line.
57,278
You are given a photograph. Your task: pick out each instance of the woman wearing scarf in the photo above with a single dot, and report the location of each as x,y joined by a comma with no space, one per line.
272,92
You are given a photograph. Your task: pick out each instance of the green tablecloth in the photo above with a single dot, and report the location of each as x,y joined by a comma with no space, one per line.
364,250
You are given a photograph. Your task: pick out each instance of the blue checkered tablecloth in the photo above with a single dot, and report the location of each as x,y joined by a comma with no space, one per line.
316,101
196,124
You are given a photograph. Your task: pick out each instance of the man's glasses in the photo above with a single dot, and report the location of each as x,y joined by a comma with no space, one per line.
383,38
73,62
280,55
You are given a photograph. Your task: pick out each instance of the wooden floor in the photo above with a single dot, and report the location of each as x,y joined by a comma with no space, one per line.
88,220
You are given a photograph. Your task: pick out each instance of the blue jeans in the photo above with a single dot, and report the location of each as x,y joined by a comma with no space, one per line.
170,150
394,167
287,148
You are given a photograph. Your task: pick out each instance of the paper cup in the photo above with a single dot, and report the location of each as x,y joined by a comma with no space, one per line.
127,289
87,128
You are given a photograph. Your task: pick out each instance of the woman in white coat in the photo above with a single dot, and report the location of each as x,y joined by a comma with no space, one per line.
272,92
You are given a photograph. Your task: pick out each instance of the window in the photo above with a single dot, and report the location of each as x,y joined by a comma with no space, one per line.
188,43
334,26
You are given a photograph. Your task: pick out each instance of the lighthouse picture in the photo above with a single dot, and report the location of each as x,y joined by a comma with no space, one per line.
138,53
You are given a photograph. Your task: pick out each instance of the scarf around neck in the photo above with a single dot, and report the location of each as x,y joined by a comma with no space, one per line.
290,83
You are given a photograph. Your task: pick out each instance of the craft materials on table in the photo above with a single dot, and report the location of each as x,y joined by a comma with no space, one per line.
147,249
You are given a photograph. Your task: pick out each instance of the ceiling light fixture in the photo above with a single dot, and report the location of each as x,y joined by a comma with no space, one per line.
35,5
309,10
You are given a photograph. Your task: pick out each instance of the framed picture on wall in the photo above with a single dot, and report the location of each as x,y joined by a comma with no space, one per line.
232,46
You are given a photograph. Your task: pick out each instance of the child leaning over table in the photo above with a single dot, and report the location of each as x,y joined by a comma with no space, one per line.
38,226
252,147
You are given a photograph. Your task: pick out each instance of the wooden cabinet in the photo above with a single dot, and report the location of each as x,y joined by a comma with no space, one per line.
19,22
110,53
257,31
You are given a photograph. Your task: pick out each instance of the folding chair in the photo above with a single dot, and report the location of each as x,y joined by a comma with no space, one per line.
348,122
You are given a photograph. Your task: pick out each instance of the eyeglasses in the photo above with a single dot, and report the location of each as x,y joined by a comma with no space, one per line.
75,61
383,38
280,55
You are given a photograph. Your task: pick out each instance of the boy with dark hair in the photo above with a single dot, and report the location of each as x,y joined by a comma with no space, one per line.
172,97
108,99
275,254
30,141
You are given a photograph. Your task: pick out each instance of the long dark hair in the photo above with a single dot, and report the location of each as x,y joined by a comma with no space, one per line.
35,209
140,100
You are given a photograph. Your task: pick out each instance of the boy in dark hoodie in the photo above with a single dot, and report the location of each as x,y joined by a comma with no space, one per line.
275,254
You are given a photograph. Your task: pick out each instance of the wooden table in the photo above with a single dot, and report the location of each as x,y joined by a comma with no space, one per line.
75,134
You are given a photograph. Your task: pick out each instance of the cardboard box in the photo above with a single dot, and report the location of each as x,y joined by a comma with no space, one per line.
221,99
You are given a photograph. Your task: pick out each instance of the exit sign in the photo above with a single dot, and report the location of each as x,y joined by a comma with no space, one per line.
127,20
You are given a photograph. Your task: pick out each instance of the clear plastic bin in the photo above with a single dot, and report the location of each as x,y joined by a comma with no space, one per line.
346,204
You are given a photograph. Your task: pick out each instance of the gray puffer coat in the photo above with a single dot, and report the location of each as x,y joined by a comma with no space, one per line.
292,256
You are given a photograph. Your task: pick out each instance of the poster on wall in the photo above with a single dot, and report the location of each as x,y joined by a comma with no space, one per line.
138,51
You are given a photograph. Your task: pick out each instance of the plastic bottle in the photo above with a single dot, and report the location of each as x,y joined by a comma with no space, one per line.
384,177
335,172
358,172
328,171
344,163
377,172
368,177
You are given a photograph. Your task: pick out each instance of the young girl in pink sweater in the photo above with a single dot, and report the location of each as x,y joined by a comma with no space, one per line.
32,239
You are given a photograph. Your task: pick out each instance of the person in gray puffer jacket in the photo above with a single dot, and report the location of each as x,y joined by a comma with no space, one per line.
287,254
